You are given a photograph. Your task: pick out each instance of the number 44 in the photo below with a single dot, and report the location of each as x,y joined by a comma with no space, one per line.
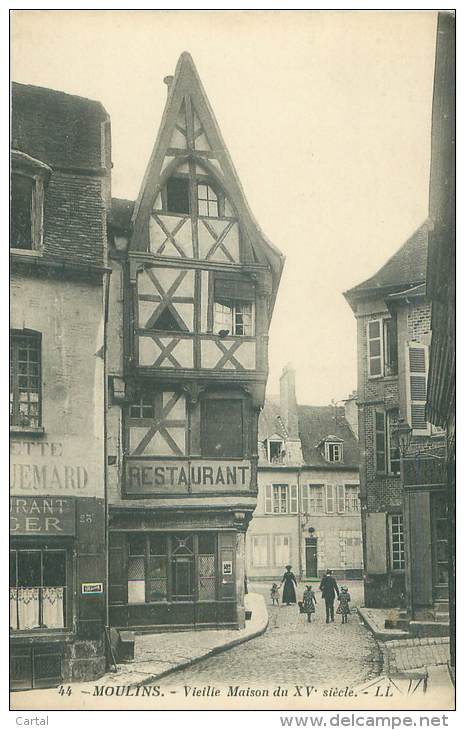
64,690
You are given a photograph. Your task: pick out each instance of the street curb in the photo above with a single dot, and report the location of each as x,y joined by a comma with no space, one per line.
381,635
212,652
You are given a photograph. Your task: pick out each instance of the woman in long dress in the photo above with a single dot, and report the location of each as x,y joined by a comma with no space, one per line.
290,584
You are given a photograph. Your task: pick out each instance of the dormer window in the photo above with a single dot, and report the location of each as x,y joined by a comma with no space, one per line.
334,451
276,453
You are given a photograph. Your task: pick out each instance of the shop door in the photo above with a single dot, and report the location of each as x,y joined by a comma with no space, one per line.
311,564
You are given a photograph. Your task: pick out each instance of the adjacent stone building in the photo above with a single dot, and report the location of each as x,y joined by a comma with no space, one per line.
402,495
192,292
308,509
60,192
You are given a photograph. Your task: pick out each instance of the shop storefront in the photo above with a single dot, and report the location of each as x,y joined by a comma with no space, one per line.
56,596
175,578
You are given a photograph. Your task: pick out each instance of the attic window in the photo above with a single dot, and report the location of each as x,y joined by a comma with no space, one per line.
334,451
26,212
276,451
207,201
177,195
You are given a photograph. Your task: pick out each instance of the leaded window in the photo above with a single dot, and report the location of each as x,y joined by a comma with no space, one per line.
25,380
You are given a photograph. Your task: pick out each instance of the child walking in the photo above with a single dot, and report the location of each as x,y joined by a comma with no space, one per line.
344,600
309,601
275,594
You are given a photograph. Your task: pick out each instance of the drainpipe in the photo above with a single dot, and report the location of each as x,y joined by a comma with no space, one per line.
106,294
299,524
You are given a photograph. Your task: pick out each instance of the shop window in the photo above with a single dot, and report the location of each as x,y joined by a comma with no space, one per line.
25,380
207,201
397,542
281,499
136,569
38,588
177,195
312,499
222,428
166,567
158,568
206,566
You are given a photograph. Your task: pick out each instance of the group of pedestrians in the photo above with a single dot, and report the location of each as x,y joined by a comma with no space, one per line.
329,591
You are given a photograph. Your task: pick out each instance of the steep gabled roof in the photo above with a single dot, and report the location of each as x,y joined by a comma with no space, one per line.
270,423
61,130
405,269
187,96
316,423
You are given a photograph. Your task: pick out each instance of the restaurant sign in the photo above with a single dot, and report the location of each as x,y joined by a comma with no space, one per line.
152,476
42,516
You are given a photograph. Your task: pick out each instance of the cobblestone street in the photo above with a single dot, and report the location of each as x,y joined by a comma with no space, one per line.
293,651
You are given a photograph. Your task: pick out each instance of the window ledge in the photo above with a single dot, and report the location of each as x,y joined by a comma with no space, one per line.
38,430
25,252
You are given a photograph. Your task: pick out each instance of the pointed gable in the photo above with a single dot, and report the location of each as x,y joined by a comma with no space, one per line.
216,225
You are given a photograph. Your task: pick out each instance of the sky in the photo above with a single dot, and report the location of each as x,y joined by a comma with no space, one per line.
326,115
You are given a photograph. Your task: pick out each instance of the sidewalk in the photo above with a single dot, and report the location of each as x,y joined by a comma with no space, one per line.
374,619
157,655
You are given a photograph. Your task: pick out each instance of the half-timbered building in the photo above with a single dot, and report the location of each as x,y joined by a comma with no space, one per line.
193,287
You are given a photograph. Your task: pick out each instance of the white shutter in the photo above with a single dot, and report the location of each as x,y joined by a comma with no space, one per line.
329,498
375,348
304,496
340,498
417,374
294,504
268,500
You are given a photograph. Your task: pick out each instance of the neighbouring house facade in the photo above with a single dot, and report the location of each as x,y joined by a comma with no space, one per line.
440,281
192,292
308,507
402,495
60,192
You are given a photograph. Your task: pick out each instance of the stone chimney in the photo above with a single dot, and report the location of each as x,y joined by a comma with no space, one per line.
288,401
351,412
289,415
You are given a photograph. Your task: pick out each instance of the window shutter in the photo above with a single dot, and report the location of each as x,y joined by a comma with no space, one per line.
375,347
294,505
268,500
304,496
380,439
329,498
417,373
340,498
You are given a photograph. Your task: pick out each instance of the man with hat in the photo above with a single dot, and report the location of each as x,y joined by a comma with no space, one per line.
329,590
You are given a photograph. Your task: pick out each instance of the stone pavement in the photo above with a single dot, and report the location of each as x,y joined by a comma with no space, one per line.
293,651
409,654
